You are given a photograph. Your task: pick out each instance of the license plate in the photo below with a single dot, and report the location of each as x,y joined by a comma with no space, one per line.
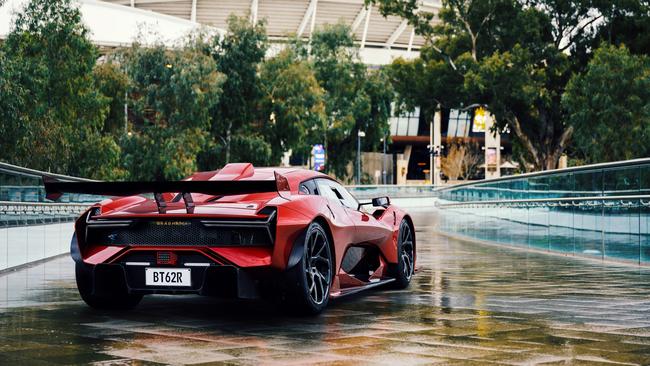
180,277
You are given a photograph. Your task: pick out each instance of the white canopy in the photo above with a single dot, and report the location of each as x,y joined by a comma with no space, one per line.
115,25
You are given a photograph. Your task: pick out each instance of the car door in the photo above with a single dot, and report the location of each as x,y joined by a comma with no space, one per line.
343,229
367,228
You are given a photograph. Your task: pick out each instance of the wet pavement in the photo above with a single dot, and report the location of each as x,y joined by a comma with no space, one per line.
469,304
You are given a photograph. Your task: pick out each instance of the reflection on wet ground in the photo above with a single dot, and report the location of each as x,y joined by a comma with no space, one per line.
469,305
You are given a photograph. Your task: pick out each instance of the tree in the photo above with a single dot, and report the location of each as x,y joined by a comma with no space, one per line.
113,83
356,99
292,104
52,114
514,56
171,95
463,159
609,105
525,96
426,82
238,55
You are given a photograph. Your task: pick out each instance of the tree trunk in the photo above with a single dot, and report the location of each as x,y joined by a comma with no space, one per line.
544,157
474,47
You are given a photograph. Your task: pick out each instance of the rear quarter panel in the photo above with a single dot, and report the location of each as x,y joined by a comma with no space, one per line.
302,210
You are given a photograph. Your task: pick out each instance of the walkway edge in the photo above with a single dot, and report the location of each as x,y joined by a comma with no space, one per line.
607,262
30,264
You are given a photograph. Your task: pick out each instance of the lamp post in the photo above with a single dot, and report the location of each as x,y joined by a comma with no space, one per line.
383,162
360,134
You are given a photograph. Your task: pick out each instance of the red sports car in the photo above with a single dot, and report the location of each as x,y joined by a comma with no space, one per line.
236,232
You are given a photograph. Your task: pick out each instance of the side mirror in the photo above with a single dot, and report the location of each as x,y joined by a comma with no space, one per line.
381,201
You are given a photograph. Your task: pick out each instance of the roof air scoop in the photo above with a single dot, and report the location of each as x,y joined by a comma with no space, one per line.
282,184
235,171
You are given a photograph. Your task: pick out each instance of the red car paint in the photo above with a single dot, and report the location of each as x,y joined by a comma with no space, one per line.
295,211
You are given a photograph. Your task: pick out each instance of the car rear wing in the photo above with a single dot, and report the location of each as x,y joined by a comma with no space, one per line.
55,188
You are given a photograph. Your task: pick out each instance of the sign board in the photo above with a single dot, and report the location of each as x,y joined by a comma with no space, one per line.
480,119
491,158
318,154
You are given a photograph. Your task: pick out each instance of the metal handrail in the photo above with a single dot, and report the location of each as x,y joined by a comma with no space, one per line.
47,204
586,200
615,164
33,173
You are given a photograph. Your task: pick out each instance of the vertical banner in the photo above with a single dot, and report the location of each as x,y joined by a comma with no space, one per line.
480,116
318,154
491,157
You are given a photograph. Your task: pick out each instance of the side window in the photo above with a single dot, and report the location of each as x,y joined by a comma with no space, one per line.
308,187
336,192
325,190
347,199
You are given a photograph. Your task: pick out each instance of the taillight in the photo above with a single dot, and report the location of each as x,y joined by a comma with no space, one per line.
166,258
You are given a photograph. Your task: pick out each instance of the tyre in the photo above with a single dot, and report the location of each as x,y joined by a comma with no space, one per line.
405,256
312,275
116,301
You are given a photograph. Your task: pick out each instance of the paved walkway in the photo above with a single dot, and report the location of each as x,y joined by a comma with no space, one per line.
469,305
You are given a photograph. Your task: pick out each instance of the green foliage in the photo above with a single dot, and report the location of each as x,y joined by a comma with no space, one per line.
238,55
609,105
113,83
356,99
425,82
52,113
515,56
252,148
292,104
525,95
171,95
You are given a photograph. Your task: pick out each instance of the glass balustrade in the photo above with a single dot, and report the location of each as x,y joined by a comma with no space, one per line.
600,211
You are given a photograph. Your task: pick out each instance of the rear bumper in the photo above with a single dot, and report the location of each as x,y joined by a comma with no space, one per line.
216,280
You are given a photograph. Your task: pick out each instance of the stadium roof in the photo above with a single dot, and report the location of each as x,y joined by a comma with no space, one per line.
119,22
379,38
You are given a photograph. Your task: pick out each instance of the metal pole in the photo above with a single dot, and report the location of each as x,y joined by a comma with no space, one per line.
383,164
437,145
431,152
358,158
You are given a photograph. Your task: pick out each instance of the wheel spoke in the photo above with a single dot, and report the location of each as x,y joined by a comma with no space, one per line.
310,245
320,250
323,277
322,287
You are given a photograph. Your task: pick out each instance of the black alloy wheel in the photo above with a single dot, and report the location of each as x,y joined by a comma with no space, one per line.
313,274
405,256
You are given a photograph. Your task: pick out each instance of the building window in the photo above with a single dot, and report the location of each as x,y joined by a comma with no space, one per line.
405,124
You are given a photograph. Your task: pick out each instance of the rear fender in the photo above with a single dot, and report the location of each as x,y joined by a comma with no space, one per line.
297,251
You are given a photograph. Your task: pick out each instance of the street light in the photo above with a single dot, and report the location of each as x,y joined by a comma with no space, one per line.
383,162
360,134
